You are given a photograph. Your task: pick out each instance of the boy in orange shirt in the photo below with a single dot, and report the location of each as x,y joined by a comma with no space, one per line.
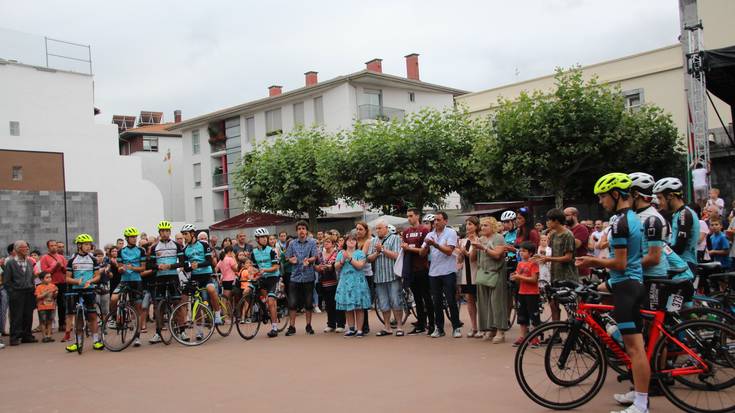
527,274
46,303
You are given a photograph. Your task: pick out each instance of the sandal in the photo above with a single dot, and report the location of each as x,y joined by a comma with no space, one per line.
399,333
382,333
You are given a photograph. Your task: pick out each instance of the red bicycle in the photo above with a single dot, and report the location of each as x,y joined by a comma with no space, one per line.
692,362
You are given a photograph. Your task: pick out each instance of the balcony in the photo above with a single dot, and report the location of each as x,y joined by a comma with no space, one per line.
222,214
217,146
219,180
377,112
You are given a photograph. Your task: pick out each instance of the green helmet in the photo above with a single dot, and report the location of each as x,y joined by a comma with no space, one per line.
614,180
131,232
83,238
164,225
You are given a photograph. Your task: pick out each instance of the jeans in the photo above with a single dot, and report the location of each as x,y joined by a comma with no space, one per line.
446,286
335,318
22,303
61,305
422,297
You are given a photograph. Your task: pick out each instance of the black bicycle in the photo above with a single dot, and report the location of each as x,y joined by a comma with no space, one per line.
408,305
167,296
252,311
120,327
80,316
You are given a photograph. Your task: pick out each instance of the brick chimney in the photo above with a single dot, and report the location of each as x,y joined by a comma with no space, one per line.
412,66
274,90
177,116
375,65
311,78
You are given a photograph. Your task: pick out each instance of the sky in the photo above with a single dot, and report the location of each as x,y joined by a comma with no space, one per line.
202,56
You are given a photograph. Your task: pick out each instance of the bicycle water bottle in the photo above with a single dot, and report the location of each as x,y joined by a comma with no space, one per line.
612,330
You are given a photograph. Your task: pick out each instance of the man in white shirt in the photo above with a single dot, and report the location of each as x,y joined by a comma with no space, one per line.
699,181
595,238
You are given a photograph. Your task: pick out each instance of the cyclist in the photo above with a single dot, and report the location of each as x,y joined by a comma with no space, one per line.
198,262
508,218
266,261
654,226
131,261
684,222
626,277
167,256
82,272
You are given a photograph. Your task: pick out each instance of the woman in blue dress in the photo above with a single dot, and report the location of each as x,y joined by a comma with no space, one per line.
353,294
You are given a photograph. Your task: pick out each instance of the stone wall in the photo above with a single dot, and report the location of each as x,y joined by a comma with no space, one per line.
37,216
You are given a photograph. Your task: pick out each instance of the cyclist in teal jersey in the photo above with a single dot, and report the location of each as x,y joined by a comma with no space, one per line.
82,272
684,222
166,257
131,261
265,260
626,278
508,218
653,224
198,262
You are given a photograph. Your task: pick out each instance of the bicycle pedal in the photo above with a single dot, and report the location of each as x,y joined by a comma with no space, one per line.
623,377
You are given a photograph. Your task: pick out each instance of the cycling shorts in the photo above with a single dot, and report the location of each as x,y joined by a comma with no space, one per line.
270,284
135,287
204,281
628,298
88,296
166,283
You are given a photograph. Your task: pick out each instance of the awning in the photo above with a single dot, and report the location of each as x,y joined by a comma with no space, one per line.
250,220
719,67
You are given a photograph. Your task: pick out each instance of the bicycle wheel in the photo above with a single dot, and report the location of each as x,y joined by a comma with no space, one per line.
409,308
124,329
80,328
163,315
709,314
225,328
191,323
282,313
513,314
709,391
248,317
553,384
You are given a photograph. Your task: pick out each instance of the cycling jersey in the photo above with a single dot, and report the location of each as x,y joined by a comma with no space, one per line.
131,256
510,239
626,234
201,253
82,266
265,258
676,263
654,235
167,252
685,234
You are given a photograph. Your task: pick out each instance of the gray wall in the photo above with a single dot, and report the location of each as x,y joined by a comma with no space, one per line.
37,216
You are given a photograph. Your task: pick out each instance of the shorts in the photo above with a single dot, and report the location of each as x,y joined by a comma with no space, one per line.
136,287
88,296
389,295
46,316
301,295
628,298
468,289
227,285
528,310
204,281
270,284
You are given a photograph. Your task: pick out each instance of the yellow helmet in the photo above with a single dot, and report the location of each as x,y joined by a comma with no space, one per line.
131,232
164,225
614,180
82,238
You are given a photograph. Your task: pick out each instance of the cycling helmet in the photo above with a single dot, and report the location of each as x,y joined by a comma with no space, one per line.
164,225
429,218
614,180
392,228
641,181
188,228
508,216
82,238
131,232
667,185
261,232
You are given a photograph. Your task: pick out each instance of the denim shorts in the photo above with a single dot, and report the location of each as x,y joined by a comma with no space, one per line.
389,295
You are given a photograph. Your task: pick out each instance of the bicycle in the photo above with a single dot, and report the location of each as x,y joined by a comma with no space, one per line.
516,305
81,328
192,314
226,314
163,309
252,311
407,303
688,358
120,328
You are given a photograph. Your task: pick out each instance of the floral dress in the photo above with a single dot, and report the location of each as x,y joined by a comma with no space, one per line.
352,291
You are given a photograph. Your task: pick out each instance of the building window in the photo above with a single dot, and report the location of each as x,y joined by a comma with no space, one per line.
298,114
633,99
14,128
318,110
17,173
195,148
273,122
197,175
150,144
198,209
411,96
250,130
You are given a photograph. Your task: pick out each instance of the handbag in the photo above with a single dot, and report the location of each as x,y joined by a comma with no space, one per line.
487,278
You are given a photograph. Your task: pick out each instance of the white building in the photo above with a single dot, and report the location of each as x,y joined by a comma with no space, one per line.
213,143
43,110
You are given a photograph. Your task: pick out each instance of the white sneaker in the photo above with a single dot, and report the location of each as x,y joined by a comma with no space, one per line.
339,330
218,320
328,329
457,333
625,399
317,309
183,336
631,409
2,345
136,343
155,339
436,333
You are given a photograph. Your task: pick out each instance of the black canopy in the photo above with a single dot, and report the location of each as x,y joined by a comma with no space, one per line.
719,66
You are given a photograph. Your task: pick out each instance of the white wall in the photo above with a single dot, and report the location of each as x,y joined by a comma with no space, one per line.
55,111
156,171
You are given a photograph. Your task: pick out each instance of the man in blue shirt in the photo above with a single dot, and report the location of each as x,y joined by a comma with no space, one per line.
302,253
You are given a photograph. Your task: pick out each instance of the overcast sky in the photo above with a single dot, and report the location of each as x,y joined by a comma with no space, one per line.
199,57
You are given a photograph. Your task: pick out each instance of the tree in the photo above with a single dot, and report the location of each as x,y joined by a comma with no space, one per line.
291,175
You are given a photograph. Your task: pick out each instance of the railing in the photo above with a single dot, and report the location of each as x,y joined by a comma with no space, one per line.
35,50
220,180
217,146
222,214
377,112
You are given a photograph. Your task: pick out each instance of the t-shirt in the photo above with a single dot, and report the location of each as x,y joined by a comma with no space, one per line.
654,235
414,237
48,302
596,235
719,203
225,268
699,177
703,229
582,234
49,265
527,269
545,269
441,263
237,248
626,234
82,266
562,242
719,242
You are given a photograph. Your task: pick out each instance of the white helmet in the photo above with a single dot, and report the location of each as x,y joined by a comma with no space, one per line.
188,228
429,218
261,232
641,181
392,229
667,185
508,216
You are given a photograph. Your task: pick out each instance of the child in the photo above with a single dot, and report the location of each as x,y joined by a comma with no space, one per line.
717,243
715,201
46,303
527,274
545,250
